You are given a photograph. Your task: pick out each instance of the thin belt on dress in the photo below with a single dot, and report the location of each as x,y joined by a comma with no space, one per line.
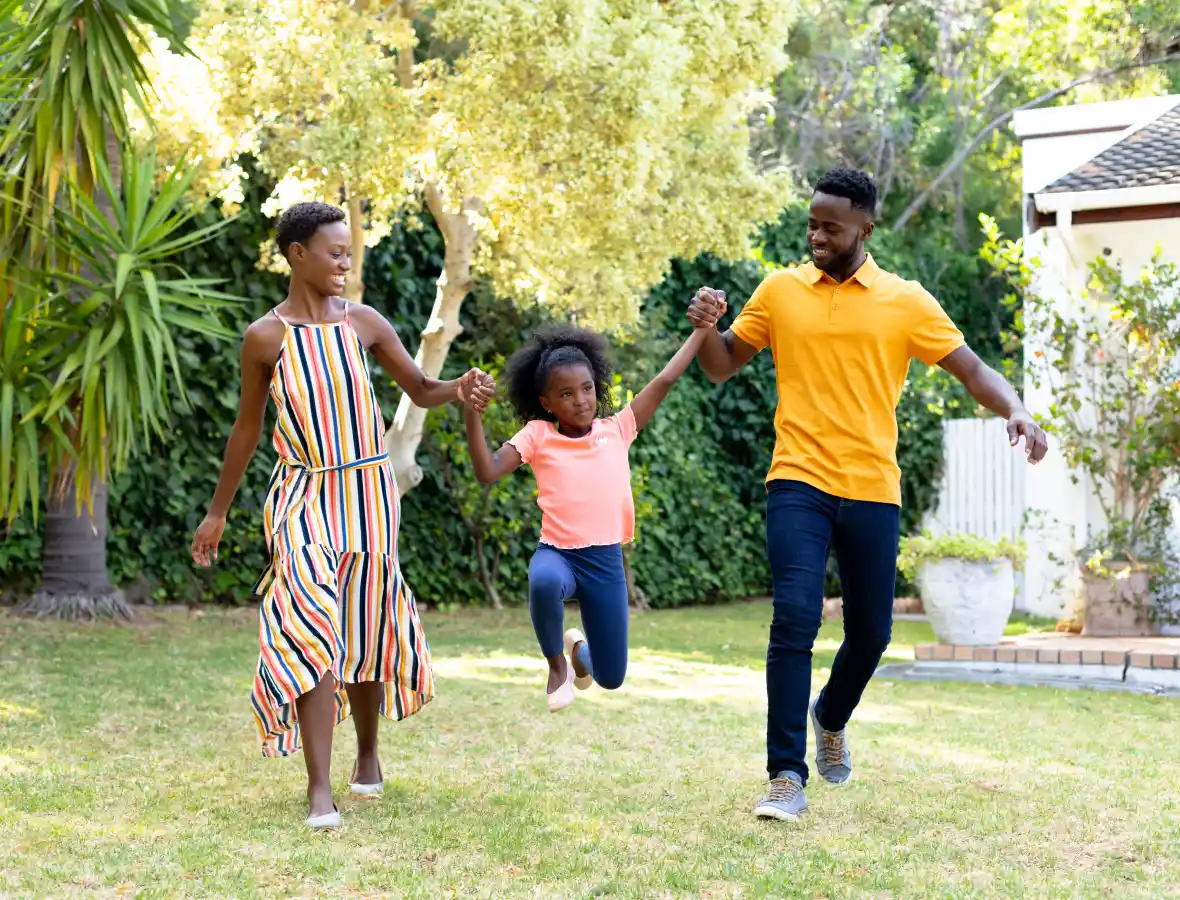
369,462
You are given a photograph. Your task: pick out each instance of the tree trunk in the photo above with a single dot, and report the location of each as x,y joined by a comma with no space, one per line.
74,580
405,53
960,212
354,282
635,593
453,286
485,575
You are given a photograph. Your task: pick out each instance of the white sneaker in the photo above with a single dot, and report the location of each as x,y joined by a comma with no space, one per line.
573,637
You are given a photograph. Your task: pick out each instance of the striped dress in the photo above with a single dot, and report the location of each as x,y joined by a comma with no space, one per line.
333,597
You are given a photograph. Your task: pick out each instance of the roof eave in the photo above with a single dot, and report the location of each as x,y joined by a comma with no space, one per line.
1047,202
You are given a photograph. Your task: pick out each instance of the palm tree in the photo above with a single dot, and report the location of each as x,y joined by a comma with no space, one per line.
87,369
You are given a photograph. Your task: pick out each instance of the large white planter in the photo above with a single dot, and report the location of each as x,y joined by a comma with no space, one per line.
967,602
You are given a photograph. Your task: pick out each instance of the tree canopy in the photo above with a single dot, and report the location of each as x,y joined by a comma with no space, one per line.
587,143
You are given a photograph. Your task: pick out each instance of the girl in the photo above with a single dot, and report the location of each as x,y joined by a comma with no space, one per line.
335,611
559,385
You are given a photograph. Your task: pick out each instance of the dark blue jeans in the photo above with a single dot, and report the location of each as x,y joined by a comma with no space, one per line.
595,576
802,525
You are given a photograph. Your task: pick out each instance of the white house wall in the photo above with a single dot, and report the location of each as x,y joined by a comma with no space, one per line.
1055,508
1131,244
1061,514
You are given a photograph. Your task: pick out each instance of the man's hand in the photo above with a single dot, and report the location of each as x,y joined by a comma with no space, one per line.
1036,445
707,308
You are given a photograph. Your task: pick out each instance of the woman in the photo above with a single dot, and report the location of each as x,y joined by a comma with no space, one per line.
335,610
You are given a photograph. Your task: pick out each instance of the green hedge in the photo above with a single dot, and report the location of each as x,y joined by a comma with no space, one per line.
698,468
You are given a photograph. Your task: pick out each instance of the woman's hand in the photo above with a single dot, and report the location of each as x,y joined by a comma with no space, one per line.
206,540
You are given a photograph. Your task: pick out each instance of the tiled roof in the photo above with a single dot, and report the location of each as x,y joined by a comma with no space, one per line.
1148,157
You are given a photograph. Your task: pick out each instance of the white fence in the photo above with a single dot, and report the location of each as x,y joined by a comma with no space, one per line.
982,488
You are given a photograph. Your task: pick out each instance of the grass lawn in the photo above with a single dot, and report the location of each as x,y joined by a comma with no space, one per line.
128,768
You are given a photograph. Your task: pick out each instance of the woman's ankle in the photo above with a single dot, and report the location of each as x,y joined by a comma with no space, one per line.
320,800
367,769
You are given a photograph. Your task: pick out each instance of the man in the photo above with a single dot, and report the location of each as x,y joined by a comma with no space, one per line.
842,333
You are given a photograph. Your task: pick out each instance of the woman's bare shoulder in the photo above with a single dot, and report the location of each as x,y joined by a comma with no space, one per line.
263,340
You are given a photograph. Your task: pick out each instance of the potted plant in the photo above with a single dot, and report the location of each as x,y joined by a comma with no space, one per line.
967,583
1119,586
1111,358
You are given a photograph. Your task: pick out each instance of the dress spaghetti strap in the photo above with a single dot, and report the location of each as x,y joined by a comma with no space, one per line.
279,316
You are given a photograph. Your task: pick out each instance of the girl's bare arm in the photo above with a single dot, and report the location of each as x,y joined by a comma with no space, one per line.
489,467
645,405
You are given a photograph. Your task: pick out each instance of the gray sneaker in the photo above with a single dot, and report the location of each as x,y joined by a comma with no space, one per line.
784,800
832,759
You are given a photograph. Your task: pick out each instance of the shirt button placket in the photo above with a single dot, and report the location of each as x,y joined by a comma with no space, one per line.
834,312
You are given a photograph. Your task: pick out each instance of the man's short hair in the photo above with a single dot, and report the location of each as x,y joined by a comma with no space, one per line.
854,185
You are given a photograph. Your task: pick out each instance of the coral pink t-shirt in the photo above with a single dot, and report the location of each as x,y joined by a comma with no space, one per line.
583,484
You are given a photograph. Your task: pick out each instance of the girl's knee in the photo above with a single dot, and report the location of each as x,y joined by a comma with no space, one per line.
547,586
611,679
549,580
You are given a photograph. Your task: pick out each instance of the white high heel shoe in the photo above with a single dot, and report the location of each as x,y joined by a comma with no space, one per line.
326,822
366,790
564,695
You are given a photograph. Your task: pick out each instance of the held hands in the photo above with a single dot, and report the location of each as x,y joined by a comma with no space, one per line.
1036,445
206,539
476,390
707,308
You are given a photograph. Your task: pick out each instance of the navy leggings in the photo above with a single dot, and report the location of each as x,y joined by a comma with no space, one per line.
594,575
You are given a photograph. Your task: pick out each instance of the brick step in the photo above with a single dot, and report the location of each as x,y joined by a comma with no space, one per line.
1166,658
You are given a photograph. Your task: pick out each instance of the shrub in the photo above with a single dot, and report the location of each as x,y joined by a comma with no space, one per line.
925,547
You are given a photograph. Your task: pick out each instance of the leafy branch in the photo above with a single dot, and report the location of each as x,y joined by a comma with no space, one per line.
959,158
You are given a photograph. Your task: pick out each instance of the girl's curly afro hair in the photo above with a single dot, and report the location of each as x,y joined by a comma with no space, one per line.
551,348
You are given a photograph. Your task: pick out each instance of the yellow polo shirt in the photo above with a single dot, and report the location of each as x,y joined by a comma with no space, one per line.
841,356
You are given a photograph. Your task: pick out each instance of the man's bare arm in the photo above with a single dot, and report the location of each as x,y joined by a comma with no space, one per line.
992,391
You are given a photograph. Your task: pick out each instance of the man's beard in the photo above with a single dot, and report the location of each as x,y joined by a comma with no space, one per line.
837,263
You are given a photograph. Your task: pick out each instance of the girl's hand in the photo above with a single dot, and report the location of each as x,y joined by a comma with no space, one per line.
206,540
486,388
476,390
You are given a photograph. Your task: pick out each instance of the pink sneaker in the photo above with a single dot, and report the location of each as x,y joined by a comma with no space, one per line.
573,637
564,695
